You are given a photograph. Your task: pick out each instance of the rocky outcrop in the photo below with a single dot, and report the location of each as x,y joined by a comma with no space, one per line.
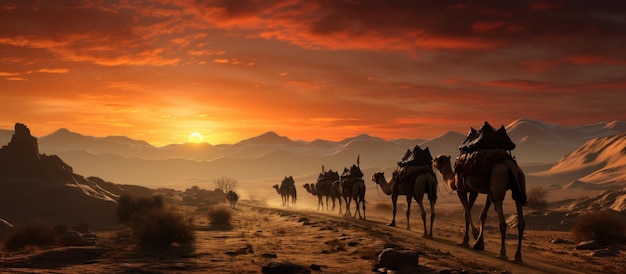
36,186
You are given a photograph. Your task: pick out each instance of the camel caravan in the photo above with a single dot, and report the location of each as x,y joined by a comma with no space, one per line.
348,186
484,165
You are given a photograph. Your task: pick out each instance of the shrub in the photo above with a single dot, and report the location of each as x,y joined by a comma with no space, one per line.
159,229
130,207
606,226
219,215
537,198
36,234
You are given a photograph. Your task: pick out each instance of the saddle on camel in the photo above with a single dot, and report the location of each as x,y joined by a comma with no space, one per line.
351,176
413,164
483,149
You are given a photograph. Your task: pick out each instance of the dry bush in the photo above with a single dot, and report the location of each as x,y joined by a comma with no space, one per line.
159,229
36,235
220,215
606,226
537,198
130,207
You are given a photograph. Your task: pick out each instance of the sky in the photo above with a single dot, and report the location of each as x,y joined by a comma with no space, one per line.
158,70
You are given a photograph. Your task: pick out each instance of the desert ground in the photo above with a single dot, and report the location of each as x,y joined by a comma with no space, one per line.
324,242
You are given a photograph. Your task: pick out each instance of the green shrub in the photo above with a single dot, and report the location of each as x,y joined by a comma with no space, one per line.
606,226
130,207
537,198
219,215
159,229
36,234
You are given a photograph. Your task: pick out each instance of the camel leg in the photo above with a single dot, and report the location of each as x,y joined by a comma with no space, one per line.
472,199
409,199
340,206
480,241
394,200
357,211
432,217
467,207
319,202
502,221
420,202
521,224
363,207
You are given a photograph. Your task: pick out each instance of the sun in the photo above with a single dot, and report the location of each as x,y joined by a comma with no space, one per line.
195,137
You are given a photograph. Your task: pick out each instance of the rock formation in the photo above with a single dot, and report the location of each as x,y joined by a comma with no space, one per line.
36,186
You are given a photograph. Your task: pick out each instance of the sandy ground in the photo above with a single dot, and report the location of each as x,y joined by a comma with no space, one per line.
261,235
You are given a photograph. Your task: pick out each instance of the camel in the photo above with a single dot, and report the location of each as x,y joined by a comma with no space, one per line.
286,190
504,175
334,193
353,188
413,187
326,187
232,198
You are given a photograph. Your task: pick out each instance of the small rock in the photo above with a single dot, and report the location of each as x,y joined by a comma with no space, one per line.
560,241
604,252
303,219
589,245
246,249
397,259
353,244
269,255
315,267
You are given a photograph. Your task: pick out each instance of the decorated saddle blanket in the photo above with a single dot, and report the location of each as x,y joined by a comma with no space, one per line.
408,174
417,157
353,172
480,163
486,137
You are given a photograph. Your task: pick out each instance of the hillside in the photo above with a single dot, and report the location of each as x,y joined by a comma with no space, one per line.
40,187
598,164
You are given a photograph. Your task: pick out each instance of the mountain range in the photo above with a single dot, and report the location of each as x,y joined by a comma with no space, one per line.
269,157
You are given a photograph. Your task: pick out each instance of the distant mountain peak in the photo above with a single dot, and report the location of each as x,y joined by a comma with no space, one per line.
269,137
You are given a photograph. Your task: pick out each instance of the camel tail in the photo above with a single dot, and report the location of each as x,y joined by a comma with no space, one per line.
519,188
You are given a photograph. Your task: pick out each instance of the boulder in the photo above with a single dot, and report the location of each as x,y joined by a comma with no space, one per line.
397,259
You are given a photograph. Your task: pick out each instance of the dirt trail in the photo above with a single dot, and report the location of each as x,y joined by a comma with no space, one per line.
320,242
443,253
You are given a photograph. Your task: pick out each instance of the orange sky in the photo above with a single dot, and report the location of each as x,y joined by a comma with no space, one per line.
159,70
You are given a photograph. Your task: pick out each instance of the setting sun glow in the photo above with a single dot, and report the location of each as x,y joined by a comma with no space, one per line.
195,137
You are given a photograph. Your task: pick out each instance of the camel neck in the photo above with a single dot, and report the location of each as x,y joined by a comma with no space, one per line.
384,185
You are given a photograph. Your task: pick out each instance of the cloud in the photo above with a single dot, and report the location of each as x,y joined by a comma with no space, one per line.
45,70
8,74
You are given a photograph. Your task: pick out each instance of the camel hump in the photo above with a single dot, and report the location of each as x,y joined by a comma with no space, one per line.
328,176
481,162
353,172
487,138
417,157
288,181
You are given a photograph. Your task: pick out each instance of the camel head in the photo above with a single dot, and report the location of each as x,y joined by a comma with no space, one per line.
443,164
376,176
277,188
